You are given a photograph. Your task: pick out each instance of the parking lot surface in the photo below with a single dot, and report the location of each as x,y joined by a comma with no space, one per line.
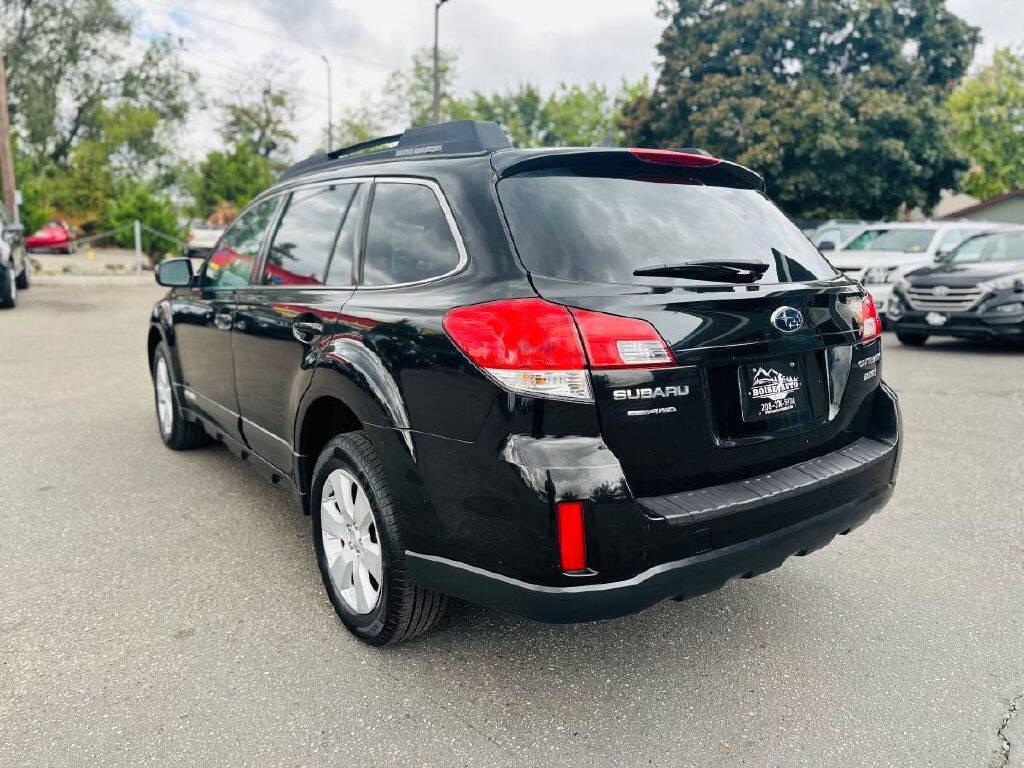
161,608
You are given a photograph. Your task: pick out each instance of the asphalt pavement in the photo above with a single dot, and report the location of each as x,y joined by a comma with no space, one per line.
161,608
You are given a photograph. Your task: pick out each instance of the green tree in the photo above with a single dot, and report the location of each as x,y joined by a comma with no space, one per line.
160,231
573,115
410,91
261,114
234,176
68,61
988,122
838,103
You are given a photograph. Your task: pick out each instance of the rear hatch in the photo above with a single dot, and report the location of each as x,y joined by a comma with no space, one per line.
761,376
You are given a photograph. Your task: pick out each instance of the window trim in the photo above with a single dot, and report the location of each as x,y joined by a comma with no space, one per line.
448,215
285,194
264,241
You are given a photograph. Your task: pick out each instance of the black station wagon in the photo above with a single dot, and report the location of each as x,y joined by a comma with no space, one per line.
567,383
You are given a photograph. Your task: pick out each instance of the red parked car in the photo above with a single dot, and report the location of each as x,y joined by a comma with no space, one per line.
55,236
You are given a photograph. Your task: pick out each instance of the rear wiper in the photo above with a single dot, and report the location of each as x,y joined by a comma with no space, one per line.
727,271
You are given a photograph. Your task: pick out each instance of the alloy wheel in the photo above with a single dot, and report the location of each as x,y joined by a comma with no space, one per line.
351,542
164,401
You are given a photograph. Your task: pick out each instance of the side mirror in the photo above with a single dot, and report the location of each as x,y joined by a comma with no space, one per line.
827,245
174,273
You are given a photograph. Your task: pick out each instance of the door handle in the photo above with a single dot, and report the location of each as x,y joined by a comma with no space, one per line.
223,320
307,330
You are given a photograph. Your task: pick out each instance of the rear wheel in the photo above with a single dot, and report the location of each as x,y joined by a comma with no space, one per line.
8,287
177,433
912,339
359,547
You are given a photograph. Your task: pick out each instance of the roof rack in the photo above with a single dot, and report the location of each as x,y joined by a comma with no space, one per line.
461,137
351,149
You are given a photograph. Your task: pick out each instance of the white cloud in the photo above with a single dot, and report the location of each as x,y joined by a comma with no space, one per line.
500,44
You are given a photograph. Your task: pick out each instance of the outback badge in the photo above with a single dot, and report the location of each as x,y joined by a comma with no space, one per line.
787,319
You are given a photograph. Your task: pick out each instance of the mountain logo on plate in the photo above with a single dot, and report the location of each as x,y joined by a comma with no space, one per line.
787,319
775,390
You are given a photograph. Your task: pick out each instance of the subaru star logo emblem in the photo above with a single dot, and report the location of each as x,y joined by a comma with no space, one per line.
787,319
941,290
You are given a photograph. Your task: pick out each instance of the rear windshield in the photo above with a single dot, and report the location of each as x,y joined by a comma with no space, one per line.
906,240
588,228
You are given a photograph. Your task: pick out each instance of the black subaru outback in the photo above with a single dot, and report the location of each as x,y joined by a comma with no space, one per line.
567,383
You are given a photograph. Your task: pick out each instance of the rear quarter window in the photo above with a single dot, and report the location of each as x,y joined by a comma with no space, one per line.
408,238
590,228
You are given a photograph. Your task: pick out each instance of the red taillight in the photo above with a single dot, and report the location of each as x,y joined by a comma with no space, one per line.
620,342
529,346
870,322
572,545
532,347
669,157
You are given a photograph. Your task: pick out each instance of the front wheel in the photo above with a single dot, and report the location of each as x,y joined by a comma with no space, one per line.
177,433
22,280
8,287
359,547
912,339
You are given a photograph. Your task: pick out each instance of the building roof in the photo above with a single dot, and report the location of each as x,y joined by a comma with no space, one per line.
985,204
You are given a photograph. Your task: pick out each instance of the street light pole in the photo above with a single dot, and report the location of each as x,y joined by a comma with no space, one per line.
437,72
330,116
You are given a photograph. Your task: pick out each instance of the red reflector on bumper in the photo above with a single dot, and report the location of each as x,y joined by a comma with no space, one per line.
572,545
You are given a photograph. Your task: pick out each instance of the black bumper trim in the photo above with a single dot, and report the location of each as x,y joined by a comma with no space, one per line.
679,579
739,496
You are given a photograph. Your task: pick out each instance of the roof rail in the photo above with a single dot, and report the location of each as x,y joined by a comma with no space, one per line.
334,154
457,138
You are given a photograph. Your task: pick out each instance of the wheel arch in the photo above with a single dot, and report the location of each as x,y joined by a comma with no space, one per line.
322,418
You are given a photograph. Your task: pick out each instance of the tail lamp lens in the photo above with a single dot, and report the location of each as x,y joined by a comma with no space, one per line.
533,347
620,342
870,322
572,545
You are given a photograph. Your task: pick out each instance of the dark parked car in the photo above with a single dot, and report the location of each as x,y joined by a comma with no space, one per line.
977,292
567,383
13,264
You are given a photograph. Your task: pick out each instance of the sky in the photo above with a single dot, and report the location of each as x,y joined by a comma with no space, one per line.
500,45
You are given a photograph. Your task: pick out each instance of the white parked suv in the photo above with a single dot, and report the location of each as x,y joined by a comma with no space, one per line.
883,252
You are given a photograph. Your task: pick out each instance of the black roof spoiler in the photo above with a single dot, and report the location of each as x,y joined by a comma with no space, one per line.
462,137
689,163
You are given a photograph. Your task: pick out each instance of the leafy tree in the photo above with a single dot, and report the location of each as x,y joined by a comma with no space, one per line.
156,214
410,91
839,103
68,61
235,177
988,120
261,114
573,115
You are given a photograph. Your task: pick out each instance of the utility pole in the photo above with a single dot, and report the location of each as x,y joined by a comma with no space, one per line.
437,71
6,155
330,116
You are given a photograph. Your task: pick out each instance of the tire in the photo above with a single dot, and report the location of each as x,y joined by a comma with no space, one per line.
401,611
912,339
177,433
22,281
8,287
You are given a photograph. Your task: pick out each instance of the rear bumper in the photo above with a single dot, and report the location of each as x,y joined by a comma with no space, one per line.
737,529
680,579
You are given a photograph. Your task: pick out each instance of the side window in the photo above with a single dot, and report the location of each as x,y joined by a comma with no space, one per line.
950,240
304,239
340,271
232,262
408,238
